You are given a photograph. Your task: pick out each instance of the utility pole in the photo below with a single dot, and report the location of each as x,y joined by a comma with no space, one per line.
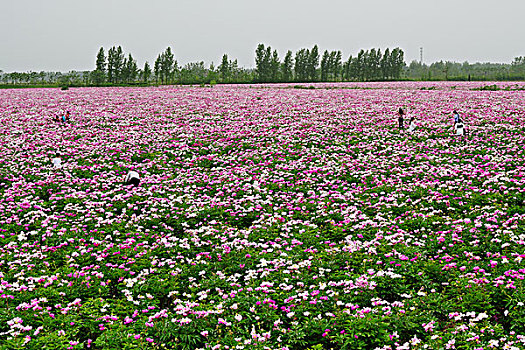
420,55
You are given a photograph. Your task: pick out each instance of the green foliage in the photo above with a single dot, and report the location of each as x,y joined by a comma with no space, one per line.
115,64
331,66
99,74
447,70
146,72
287,67
166,67
267,64
371,65
311,87
493,87
306,64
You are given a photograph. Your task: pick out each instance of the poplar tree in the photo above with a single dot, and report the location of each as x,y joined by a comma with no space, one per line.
234,70
372,64
167,65
274,66
338,65
118,63
347,69
157,69
359,65
111,65
385,65
213,74
324,65
301,64
99,74
146,72
313,63
224,69
260,66
397,62
123,77
287,67
131,69
264,67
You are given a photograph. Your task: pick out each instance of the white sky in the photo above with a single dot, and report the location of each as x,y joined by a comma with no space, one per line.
63,35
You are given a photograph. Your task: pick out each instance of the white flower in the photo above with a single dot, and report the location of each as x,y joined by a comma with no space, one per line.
415,340
185,320
493,343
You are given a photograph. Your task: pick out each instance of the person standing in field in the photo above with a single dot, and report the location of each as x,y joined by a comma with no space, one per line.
456,117
400,117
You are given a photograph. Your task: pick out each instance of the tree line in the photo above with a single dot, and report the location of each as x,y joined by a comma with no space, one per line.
447,70
307,65
115,67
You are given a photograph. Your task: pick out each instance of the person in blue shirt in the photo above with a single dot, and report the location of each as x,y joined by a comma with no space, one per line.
456,117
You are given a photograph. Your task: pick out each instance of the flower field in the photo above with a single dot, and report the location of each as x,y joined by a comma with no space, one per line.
268,217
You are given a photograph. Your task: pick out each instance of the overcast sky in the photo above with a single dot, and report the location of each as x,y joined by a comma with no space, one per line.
63,35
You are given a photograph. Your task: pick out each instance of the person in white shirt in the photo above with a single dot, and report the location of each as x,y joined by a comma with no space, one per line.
460,127
132,178
412,124
57,163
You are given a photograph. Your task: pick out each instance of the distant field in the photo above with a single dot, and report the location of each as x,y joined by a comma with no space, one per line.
268,217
